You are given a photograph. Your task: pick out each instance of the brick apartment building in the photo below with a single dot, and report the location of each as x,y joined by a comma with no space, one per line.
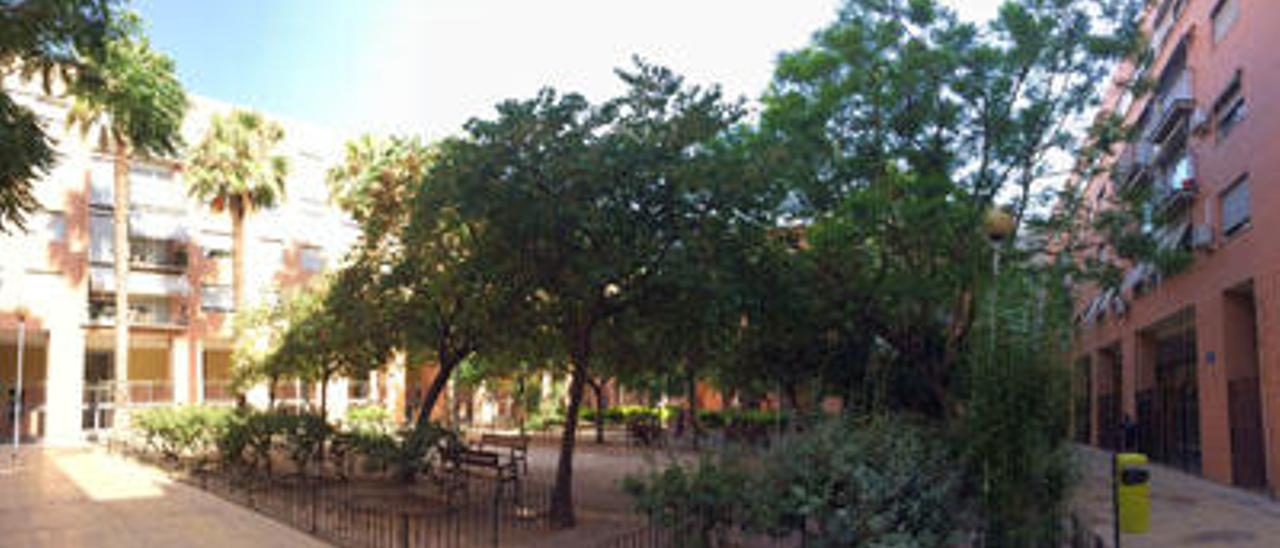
1194,358
179,289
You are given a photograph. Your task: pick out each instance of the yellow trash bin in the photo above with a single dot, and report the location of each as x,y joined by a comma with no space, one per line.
1133,486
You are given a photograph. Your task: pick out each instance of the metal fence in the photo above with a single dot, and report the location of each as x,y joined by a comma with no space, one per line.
470,512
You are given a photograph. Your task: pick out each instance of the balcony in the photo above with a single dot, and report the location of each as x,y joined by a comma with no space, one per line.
1173,105
1175,188
1134,163
156,282
145,312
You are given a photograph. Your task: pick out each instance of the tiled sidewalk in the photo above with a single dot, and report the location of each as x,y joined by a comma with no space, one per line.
1185,510
88,498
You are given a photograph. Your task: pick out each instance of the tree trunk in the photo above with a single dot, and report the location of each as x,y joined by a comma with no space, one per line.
562,515
271,393
598,389
434,391
236,208
120,251
324,396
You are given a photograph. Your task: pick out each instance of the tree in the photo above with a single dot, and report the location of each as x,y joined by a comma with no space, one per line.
580,207
57,41
233,168
418,248
338,328
902,127
132,95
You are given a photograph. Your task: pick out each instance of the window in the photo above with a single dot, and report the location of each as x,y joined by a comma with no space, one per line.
52,227
1235,206
312,259
217,298
1225,14
1229,108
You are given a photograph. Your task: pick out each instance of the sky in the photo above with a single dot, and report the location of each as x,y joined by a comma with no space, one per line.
425,67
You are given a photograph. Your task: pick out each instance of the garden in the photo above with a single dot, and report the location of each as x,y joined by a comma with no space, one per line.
870,268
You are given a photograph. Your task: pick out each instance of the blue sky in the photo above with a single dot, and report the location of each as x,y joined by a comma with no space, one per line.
426,66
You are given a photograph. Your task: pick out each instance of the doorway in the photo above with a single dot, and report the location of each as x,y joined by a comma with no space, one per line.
1240,353
1176,410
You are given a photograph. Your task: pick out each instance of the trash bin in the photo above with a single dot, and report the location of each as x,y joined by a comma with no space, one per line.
1133,492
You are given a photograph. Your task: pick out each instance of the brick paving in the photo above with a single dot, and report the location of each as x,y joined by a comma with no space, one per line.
85,497
1185,510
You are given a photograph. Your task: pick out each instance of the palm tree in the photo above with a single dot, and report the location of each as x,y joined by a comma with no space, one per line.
233,168
132,95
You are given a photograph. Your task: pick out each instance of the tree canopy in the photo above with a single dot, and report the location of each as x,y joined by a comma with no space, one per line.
58,42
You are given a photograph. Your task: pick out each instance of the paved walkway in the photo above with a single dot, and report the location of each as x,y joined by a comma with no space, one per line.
1185,510
85,497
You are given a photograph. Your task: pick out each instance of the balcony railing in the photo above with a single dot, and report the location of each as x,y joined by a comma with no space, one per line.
1173,105
1134,163
1176,186
156,314
139,393
218,391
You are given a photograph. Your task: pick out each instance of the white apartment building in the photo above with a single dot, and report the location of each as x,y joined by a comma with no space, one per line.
180,283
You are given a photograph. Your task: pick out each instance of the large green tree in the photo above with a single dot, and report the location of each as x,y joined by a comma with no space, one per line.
581,207
130,99
235,168
417,251
60,42
902,127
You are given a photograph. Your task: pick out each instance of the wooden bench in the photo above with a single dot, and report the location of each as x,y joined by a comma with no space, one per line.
517,449
464,461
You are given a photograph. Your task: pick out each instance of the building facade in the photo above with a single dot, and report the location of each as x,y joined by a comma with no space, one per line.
1193,359
180,296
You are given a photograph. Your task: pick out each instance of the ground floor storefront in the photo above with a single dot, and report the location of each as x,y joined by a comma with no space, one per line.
1194,384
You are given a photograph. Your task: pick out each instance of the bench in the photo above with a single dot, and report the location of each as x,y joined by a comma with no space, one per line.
517,449
647,433
466,462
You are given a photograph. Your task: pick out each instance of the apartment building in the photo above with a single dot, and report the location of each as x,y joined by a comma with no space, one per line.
1193,358
180,297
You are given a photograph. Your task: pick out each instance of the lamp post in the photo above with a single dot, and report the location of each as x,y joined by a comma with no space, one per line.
17,389
998,225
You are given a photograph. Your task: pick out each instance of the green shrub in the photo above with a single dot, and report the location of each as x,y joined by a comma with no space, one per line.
698,503
177,432
232,438
369,418
880,483
304,436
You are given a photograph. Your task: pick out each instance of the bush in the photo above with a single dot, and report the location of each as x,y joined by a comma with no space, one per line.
697,503
304,436
879,483
369,418
177,432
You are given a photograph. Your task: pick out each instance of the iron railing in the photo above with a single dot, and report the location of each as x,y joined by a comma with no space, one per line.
460,512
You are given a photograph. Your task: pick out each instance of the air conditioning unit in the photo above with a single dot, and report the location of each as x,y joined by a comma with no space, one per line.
1199,122
1202,237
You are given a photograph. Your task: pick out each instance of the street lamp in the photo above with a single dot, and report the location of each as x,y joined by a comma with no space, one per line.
17,391
998,225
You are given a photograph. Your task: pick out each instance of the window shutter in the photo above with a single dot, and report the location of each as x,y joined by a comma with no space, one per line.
1235,207
1224,15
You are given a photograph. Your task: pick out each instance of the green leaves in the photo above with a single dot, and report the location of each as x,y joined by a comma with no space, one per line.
134,93
233,165
77,43
28,154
